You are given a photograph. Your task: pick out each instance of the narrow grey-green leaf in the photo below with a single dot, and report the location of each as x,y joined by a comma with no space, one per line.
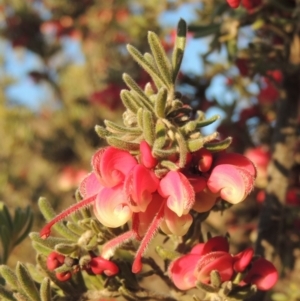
179,47
118,129
129,102
208,121
183,150
125,145
148,127
161,59
5,216
139,117
164,153
160,135
170,165
102,132
138,57
218,146
66,249
26,227
149,90
10,277
150,59
5,236
45,290
136,88
160,103
26,282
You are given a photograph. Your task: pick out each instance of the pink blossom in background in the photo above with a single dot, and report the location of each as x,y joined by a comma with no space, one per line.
204,258
261,157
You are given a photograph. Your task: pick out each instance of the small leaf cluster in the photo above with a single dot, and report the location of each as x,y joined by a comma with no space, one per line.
158,114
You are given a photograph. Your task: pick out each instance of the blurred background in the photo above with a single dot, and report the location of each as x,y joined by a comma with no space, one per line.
61,65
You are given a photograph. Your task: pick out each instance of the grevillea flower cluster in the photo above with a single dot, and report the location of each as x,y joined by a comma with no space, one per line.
158,170
125,188
242,269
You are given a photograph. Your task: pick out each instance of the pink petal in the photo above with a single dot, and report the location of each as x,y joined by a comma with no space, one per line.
178,191
220,261
232,183
217,243
204,201
198,249
237,160
181,271
198,183
110,208
112,165
145,218
204,159
90,185
242,260
139,186
177,225
146,157
263,274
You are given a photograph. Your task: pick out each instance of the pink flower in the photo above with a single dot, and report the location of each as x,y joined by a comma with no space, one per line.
197,265
261,158
213,255
232,177
263,274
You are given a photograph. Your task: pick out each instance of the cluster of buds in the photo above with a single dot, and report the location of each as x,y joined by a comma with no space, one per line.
213,269
65,266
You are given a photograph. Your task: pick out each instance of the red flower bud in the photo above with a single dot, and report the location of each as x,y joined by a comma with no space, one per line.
54,260
64,276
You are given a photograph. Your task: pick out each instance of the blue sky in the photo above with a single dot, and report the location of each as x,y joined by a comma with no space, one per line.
26,92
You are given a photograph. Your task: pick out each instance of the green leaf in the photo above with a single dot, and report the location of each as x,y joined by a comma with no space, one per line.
125,145
138,57
150,59
201,31
26,282
149,90
160,135
5,218
5,236
218,146
160,102
183,150
45,290
26,227
205,122
10,277
101,131
118,129
145,101
170,165
148,127
129,101
67,249
161,59
179,47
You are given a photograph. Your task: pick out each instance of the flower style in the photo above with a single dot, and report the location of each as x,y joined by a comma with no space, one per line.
204,258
